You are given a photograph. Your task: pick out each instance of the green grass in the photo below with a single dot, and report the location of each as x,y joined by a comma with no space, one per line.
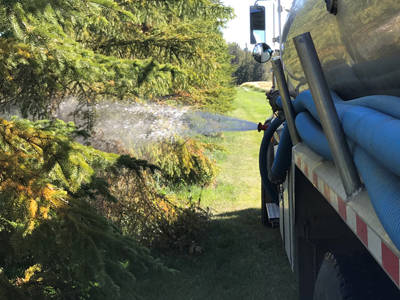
241,258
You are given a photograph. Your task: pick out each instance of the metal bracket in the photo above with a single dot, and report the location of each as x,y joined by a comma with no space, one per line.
286,102
276,39
327,113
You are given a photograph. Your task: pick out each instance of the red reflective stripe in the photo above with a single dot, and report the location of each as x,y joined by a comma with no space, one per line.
342,208
390,263
315,179
362,231
306,170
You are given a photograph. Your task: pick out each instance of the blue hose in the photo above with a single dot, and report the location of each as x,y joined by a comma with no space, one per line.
367,127
311,133
378,134
384,191
371,125
283,158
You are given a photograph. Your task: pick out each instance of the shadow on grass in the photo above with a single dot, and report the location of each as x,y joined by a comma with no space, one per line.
241,260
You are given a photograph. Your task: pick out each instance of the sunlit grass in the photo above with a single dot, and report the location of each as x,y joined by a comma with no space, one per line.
241,258
238,184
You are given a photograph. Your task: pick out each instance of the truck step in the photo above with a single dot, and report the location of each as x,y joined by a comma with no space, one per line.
273,213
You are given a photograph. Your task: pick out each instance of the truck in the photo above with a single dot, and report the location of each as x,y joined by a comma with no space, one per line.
329,158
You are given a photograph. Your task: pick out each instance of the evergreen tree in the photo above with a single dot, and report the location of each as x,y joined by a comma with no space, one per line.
54,244
121,49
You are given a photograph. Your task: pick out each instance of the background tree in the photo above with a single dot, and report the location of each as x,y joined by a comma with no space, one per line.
245,67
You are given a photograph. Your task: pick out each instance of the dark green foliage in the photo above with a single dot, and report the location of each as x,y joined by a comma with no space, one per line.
246,68
79,256
133,164
99,187
74,220
54,244
184,232
120,49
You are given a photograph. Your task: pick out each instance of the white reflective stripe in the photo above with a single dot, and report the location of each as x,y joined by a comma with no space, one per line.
320,185
351,219
375,245
334,200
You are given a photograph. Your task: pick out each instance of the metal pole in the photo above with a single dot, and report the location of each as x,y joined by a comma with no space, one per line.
280,27
286,102
273,26
327,113
265,32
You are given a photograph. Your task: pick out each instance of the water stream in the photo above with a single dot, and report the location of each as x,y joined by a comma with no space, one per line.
136,125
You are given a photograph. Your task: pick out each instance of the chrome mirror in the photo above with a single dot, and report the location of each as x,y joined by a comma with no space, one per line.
262,53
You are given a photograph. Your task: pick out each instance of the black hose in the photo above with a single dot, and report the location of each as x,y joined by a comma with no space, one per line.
269,187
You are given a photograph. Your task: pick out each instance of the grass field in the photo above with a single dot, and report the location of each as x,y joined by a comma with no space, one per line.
241,258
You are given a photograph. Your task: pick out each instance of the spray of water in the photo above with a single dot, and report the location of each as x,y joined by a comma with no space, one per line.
136,125
205,123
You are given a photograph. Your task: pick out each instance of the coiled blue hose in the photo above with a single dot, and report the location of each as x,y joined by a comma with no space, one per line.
312,135
384,191
372,128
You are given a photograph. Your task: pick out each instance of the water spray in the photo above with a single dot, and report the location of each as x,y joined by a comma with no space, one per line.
135,125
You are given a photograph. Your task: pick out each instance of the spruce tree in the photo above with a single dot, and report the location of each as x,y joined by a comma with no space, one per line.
119,49
54,243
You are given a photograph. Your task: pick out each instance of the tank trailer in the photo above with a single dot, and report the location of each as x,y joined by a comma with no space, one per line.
330,155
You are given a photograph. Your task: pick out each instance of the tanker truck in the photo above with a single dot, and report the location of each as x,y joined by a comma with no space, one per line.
330,155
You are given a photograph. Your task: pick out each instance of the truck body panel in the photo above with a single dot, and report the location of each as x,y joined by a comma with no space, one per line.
359,47
357,212
359,51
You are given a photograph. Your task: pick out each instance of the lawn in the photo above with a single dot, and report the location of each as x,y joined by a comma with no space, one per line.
241,259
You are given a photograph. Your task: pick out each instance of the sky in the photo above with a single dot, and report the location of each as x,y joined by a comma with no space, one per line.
238,30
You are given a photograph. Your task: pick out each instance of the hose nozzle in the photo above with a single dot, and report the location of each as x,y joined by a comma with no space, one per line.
262,127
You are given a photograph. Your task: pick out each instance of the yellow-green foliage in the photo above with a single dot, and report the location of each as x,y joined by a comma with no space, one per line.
184,161
54,244
145,211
